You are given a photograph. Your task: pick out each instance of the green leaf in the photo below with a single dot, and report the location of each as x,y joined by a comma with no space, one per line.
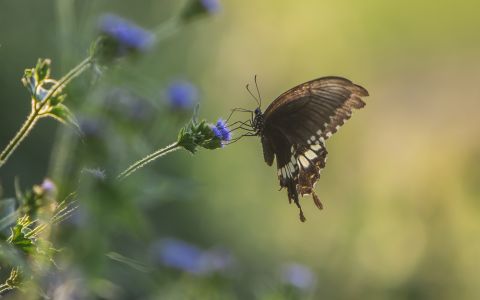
57,99
29,80
186,140
42,69
63,114
17,237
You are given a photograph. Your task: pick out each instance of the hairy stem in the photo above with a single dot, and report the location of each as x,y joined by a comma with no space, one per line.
148,159
68,77
18,138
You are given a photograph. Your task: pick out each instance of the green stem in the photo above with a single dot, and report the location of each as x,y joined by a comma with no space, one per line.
167,29
147,159
68,77
35,113
18,138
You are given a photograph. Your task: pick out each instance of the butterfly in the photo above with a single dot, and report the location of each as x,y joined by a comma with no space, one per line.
294,127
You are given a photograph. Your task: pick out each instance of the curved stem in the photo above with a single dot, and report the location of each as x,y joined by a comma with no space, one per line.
147,159
167,29
68,77
35,113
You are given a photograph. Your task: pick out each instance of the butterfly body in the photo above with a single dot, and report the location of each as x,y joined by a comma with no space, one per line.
294,127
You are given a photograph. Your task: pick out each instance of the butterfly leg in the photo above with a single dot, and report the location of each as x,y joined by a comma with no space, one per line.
238,109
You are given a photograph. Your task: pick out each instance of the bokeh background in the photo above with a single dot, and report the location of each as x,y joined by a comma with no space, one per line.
401,187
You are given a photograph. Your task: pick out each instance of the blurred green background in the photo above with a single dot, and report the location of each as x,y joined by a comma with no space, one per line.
401,187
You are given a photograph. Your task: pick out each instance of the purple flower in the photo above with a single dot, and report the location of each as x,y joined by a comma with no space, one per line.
48,186
179,255
189,258
198,8
211,6
182,95
127,35
221,131
298,276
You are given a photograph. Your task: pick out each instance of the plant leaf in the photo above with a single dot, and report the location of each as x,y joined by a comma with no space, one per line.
63,114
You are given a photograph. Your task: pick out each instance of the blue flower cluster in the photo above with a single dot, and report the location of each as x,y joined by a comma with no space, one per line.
182,95
129,37
221,131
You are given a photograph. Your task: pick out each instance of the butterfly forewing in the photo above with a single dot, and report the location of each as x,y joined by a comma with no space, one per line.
296,125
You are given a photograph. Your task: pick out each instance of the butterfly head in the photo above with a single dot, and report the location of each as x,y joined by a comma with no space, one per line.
257,122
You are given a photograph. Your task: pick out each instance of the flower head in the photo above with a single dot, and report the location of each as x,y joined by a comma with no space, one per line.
298,276
48,186
182,95
202,134
122,37
221,131
198,8
179,255
211,6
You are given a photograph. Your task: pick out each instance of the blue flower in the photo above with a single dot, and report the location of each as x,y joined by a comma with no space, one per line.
221,131
128,36
198,8
179,255
48,186
211,6
182,95
189,258
298,276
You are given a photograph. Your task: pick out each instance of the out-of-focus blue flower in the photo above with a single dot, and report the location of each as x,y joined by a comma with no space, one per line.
179,255
198,8
211,6
221,131
298,276
189,258
48,186
127,35
182,95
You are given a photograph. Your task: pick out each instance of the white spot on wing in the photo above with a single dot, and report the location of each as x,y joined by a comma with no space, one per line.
316,147
293,160
291,168
304,161
310,154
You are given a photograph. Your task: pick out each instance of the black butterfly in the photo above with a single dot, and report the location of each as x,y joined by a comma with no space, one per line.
294,128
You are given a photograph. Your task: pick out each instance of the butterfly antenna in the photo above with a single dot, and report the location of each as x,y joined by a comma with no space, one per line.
250,92
258,92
